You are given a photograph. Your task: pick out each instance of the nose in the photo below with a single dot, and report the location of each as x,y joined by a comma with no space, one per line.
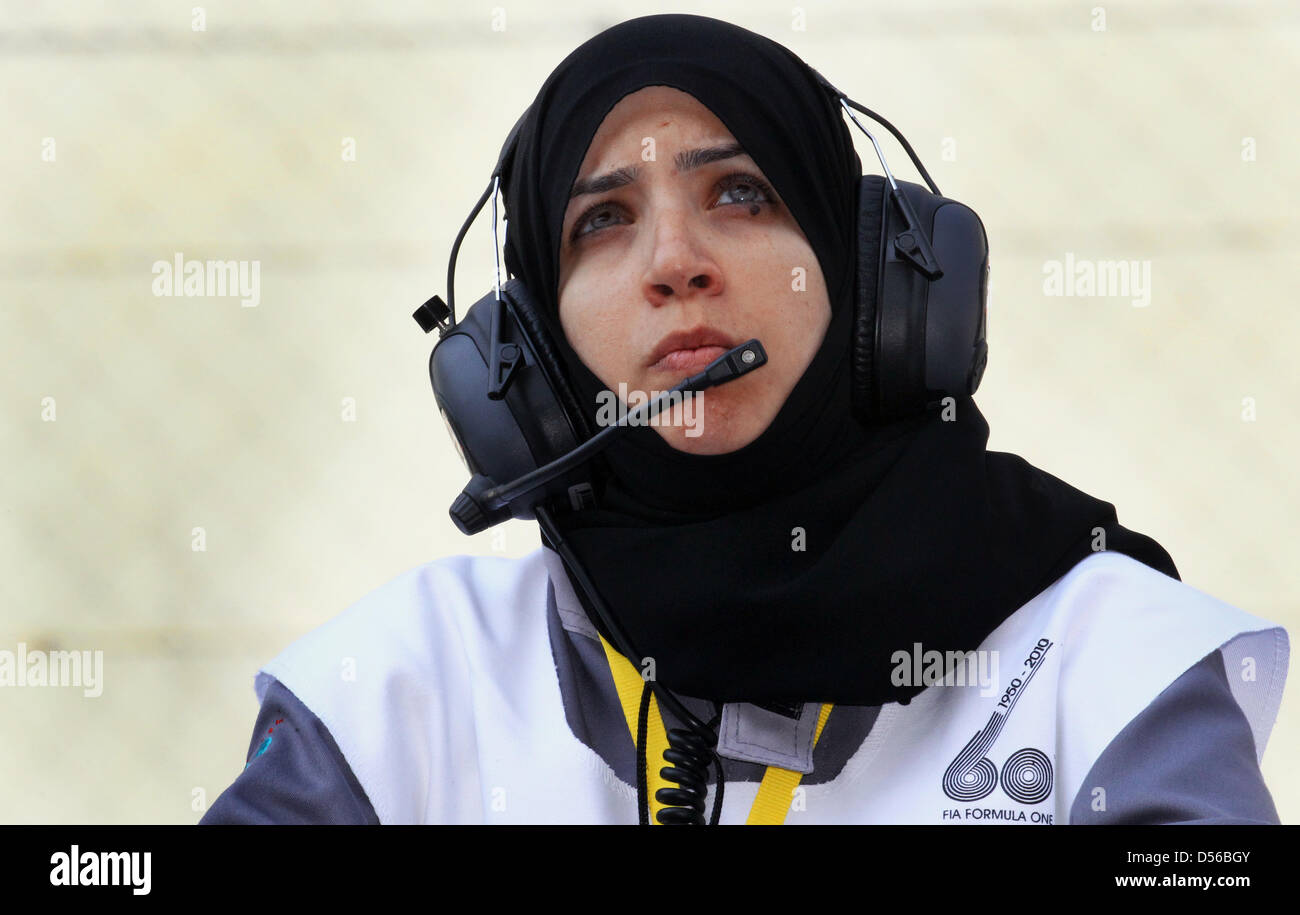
679,260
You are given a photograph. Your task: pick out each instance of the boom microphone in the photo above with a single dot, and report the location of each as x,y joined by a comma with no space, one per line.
483,503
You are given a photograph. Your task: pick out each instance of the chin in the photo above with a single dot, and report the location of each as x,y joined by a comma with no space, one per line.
722,438
719,421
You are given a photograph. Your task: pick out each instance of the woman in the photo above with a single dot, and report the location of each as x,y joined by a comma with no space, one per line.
836,605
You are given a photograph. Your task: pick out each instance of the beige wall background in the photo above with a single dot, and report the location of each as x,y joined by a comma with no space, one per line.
1163,132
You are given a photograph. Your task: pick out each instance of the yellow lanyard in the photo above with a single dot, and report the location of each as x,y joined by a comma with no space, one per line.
775,792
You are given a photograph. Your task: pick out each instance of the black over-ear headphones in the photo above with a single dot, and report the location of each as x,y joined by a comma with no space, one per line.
921,313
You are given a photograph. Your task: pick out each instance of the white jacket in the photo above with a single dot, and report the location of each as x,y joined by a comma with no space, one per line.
440,690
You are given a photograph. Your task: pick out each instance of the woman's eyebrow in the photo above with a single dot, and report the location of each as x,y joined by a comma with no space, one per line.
685,161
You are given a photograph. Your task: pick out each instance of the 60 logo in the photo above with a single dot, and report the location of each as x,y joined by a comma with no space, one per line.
1026,775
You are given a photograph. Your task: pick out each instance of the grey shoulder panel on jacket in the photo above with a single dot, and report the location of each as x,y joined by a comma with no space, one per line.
295,773
1188,758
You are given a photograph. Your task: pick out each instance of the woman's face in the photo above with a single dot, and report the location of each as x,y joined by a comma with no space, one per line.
689,244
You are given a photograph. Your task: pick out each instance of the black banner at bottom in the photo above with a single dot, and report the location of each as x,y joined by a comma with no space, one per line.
257,864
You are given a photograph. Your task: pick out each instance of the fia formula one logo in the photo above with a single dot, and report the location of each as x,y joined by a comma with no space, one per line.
1026,774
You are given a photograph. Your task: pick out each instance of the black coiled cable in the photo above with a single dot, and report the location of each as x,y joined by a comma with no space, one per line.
689,752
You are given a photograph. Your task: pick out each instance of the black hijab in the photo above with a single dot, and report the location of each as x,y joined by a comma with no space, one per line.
911,531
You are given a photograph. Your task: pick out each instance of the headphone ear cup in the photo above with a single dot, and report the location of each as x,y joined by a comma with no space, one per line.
917,340
536,422
548,357
872,200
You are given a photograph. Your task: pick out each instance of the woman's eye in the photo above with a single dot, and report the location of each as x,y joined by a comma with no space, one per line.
593,217
753,190
749,186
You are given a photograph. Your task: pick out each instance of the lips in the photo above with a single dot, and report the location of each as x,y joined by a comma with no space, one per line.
689,350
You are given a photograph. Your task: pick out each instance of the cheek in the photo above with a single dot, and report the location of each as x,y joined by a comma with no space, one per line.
800,307
579,311
597,332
